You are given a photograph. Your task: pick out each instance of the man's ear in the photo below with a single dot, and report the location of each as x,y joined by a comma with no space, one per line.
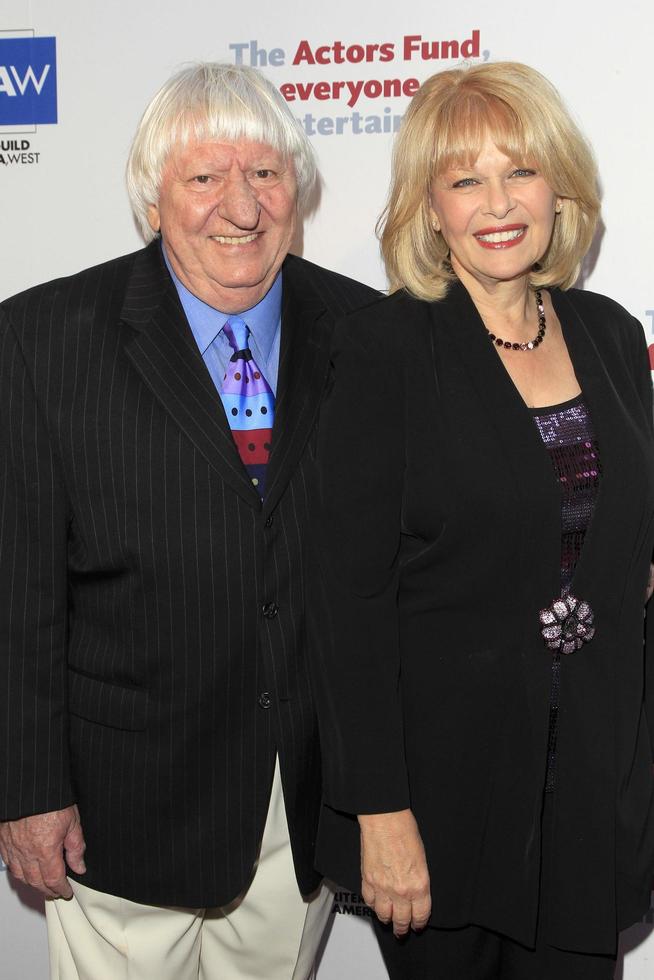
153,218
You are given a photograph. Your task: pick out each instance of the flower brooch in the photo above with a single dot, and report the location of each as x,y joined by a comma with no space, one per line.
567,624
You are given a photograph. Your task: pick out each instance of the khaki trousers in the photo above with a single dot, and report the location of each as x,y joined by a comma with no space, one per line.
268,933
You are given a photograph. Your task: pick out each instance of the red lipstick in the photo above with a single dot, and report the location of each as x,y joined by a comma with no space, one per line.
498,230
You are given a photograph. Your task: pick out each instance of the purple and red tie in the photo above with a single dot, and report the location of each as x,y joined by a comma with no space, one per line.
249,404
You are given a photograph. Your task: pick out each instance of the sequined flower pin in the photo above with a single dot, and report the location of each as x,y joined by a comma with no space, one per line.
567,624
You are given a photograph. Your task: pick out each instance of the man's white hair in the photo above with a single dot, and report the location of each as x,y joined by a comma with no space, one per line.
211,101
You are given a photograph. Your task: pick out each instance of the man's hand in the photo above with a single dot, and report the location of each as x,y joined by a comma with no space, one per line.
33,850
395,879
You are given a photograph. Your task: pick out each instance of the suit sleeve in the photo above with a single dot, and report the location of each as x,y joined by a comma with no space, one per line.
34,768
360,455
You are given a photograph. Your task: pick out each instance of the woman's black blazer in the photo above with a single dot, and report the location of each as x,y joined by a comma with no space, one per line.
440,542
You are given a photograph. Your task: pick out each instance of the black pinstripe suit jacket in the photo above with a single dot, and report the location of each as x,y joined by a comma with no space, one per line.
150,600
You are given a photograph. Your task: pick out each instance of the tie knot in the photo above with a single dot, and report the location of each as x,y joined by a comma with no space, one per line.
237,333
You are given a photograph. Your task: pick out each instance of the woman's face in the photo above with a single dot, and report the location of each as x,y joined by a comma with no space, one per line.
497,217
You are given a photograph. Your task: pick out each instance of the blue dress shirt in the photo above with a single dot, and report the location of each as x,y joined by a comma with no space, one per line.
206,323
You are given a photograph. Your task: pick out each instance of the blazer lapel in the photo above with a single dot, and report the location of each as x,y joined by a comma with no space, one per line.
621,456
303,365
533,499
164,352
518,435
523,451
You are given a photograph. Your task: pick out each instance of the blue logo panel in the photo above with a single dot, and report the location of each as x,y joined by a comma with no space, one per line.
28,81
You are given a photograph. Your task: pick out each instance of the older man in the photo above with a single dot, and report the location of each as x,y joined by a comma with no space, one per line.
157,424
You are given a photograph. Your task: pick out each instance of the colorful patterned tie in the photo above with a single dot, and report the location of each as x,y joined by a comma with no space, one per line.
249,404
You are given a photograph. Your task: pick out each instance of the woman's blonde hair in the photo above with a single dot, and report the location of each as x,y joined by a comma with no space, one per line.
446,124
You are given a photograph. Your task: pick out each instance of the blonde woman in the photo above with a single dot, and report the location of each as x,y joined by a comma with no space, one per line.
487,500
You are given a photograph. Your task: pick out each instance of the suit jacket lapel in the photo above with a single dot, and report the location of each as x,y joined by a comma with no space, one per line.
164,352
303,364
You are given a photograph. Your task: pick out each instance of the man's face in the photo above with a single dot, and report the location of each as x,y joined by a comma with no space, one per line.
226,214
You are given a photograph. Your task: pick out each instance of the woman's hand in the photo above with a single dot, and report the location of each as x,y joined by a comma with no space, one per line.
650,584
395,879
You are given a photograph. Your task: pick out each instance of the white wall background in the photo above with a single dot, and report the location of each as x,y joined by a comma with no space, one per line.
69,210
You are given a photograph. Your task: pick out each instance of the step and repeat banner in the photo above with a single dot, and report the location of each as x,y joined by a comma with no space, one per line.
75,76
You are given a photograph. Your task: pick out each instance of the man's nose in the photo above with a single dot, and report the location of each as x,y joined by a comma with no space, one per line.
238,203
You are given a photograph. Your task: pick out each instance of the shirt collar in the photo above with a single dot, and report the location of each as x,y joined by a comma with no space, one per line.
206,321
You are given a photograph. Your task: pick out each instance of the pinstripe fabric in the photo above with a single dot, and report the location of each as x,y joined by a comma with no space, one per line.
136,560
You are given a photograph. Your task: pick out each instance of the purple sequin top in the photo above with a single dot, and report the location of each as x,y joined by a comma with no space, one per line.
567,431
568,434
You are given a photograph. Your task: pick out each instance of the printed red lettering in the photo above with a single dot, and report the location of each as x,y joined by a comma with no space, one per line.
470,48
338,54
304,91
354,89
410,86
304,53
322,55
411,44
373,88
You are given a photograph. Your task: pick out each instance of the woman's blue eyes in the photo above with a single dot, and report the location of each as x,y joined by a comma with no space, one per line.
518,172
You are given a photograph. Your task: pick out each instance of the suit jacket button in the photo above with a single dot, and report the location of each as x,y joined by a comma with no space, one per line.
270,610
264,700
269,521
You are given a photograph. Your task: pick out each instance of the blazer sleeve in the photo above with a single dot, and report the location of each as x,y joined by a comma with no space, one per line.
643,377
641,371
361,460
34,766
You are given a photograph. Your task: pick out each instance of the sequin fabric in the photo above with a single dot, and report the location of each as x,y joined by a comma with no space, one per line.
568,435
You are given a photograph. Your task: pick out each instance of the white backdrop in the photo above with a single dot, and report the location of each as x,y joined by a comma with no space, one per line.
63,204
